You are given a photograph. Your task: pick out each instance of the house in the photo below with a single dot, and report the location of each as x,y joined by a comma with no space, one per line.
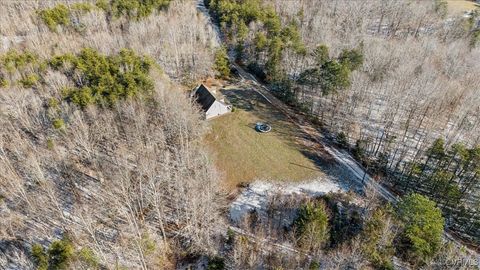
212,106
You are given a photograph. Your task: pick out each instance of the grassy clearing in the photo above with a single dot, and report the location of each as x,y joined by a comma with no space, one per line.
245,155
459,6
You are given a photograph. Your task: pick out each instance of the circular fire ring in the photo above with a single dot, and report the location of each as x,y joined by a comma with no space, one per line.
262,127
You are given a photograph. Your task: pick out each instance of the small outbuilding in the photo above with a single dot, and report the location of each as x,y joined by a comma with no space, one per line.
212,106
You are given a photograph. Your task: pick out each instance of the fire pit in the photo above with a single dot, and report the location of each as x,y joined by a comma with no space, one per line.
262,127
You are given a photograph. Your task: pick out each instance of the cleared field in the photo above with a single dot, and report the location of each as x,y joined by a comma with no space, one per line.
460,6
245,155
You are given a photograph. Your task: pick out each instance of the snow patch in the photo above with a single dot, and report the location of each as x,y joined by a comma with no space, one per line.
257,194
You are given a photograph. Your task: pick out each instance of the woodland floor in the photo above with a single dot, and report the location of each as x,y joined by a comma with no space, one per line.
245,155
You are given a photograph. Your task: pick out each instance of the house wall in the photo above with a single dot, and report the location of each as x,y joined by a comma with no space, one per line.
216,109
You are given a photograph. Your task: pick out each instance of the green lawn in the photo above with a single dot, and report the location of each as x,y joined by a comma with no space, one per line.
243,154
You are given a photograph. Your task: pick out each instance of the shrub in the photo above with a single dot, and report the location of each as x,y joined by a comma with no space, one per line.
58,257
82,7
30,80
230,236
148,245
222,65
3,82
312,225
40,258
82,97
345,224
353,59
61,15
50,144
475,38
17,61
342,139
423,227
260,41
53,103
378,247
87,256
359,150
60,61
102,79
102,4
53,17
314,266
332,75
60,253
25,63
58,123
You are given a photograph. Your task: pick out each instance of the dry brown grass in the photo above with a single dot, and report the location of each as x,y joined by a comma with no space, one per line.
245,155
456,7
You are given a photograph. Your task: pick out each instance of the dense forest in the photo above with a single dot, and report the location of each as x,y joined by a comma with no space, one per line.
100,157
103,159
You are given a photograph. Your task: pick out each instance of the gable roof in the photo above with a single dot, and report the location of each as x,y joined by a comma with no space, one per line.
204,97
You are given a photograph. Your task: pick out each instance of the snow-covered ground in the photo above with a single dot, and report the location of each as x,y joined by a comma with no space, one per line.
357,172
257,195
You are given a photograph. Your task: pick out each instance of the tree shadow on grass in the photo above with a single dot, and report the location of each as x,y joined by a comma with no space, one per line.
305,167
237,100
289,133
251,101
